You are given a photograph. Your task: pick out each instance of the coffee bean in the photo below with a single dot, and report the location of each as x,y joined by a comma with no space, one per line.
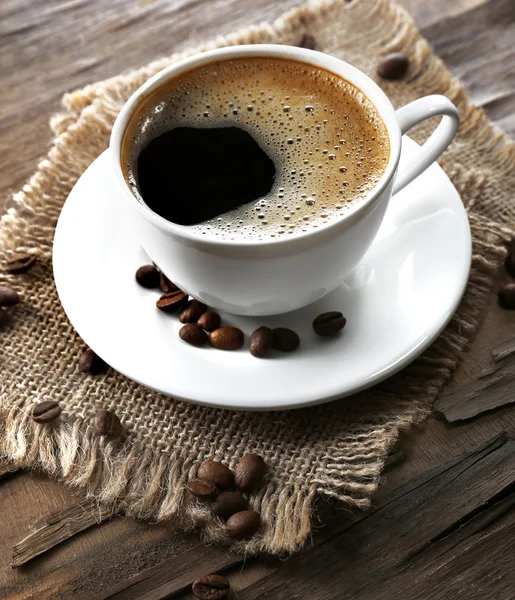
284,339
209,321
243,524
90,362
148,276
307,41
193,312
8,297
46,411
211,587
249,472
226,338
108,424
509,264
172,301
4,317
506,296
329,323
20,263
394,66
202,489
192,334
166,285
229,503
260,341
218,473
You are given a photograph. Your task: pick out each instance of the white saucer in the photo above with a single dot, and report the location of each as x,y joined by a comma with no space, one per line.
396,303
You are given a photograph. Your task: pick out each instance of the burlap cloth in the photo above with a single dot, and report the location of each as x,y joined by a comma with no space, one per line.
334,450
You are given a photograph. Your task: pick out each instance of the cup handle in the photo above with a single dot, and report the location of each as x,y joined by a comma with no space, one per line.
413,113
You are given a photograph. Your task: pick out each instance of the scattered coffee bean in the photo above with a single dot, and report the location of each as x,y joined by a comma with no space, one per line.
284,339
193,312
211,587
260,341
8,297
4,317
307,41
192,334
243,524
209,321
202,489
148,276
506,296
394,66
108,424
20,263
172,301
218,473
509,264
90,362
226,338
249,472
329,323
227,504
46,411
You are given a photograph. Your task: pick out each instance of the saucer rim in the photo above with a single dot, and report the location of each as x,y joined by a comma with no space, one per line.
278,403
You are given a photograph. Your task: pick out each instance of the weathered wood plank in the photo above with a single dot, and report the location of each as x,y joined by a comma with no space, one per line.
395,459
493,389
370,552
504,350
472,562
401,514
56,527
174,575
477,45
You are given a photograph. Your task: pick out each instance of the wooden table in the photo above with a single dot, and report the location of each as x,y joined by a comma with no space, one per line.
443,524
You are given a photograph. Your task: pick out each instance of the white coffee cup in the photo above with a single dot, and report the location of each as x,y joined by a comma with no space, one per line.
262,277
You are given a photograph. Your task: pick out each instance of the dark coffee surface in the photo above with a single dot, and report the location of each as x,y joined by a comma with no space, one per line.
191,174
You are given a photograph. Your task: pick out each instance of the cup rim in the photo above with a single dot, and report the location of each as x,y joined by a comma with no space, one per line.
311,57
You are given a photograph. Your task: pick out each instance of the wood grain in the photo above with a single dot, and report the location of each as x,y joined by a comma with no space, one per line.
493,389
57,527
504,350
451,506
395,459
48,47
477,46
174,575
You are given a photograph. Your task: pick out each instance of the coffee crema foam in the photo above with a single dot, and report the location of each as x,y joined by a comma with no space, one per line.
329,144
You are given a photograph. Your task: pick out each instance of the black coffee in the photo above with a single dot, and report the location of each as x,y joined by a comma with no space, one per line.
254,148
191,174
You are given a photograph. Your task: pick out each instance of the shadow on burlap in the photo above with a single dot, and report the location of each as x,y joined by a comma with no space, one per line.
335,450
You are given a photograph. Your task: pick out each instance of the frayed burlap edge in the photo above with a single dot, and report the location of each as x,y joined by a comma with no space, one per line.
140,479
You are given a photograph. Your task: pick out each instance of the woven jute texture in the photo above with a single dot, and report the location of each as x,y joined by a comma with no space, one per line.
334,450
